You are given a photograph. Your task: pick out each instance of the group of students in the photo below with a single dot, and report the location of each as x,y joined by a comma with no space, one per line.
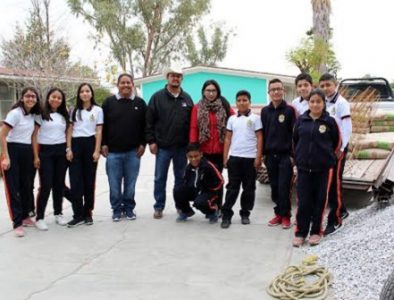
312,134
209,134
49,139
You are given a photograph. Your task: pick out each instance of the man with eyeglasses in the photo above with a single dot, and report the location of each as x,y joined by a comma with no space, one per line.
167,132
278,120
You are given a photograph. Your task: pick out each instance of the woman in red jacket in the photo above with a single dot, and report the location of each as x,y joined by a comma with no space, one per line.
208,124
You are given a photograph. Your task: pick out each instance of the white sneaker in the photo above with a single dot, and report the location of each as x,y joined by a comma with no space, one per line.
41,225
60,220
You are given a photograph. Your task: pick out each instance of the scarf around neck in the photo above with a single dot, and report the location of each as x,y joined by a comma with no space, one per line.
204,108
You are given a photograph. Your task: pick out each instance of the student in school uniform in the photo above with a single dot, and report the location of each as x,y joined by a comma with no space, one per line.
278,120
339,108
304,85
316,139
83,152
17,157
244,143
202,184
49,146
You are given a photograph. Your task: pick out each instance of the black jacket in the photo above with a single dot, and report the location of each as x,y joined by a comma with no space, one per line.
315,142
278,126
168,119
124,123
205,178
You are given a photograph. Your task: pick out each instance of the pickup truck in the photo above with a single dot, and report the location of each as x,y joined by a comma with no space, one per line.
356,86
375,175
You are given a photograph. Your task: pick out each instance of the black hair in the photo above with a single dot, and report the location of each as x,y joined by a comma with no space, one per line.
36,109
318,92
79,104
275,80
213,82
244,93
304,76
327,77
193,147
46,111
124,74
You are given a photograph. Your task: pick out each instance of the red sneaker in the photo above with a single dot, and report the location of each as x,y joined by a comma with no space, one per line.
275,221
19,232
286,223
28,222
298,241
314,239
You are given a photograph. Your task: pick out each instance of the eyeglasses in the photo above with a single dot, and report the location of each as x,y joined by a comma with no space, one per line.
274,90
30,96
210,91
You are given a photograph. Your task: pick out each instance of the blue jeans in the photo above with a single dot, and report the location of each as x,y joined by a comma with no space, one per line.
122,167
163,159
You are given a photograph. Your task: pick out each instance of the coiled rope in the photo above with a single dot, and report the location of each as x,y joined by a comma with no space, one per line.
306,281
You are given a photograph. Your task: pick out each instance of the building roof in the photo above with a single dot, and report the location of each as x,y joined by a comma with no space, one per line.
20,75
229,71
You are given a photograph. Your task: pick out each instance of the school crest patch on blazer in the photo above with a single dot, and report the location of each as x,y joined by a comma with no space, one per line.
281,118
322,128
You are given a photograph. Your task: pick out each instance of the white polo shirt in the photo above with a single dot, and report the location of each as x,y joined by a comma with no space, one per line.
22,125
301,105
244,141
52,132
90,119
339,108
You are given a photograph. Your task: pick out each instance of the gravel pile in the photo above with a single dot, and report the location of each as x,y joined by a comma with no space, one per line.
361,255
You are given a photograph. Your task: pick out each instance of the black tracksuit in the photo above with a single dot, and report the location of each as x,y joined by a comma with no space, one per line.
315,143
241,171
277,149
82,173
201,185
19,181
52,171
168,119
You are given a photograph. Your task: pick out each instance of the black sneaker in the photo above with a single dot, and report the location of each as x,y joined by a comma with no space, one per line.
245,220
225,223
330,229
344,214
75,223
88,221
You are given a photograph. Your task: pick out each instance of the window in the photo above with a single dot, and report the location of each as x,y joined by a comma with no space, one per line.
6,99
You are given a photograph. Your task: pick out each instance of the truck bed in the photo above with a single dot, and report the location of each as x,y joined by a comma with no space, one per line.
365,173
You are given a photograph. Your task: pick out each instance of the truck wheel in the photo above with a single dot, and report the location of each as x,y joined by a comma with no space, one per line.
387,292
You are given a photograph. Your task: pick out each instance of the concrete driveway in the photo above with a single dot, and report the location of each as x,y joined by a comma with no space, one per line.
144,259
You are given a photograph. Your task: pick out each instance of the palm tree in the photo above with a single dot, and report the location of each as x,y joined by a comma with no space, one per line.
321,25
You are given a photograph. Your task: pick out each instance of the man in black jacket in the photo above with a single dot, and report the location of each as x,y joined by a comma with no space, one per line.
123,145
167,132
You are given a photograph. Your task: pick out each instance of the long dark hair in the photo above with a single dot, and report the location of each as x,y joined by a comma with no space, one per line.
46,111
213,82
36,109
79,105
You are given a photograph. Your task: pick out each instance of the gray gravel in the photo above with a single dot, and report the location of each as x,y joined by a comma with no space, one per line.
360,255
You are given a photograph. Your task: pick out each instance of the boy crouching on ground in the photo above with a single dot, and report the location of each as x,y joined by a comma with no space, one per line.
244,142
202,184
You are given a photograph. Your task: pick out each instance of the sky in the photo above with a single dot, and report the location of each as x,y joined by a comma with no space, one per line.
265,30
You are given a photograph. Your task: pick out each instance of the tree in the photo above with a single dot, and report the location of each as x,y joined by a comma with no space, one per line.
39,55
312,53
209,53
144,35
321,28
